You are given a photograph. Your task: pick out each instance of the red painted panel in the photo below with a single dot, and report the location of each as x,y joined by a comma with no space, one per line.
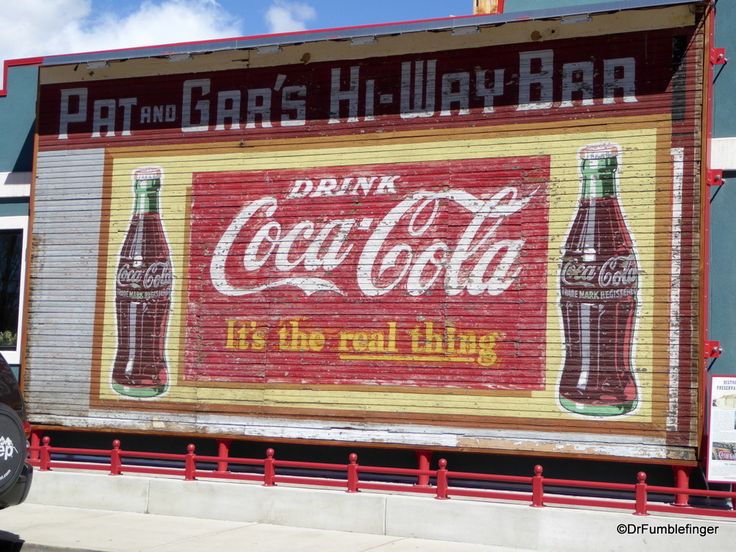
424,275
517,83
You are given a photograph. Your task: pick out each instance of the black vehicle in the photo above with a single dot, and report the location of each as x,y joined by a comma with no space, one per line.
15,472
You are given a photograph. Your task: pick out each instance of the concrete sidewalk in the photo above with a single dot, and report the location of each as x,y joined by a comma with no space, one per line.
75,510
40,528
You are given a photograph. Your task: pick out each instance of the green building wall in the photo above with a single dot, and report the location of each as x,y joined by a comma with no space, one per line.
722,301
17,119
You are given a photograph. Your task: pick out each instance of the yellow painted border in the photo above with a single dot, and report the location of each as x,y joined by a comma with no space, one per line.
643,142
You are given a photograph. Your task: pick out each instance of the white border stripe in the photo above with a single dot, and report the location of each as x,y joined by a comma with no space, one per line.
15,184
723,153
678,156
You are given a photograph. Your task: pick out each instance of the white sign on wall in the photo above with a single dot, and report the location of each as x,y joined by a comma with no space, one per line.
722,430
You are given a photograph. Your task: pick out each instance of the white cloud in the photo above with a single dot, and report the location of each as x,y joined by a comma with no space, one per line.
41,27
285,17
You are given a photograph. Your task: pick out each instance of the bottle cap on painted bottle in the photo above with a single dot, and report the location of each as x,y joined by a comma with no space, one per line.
602,150
147,173
147,179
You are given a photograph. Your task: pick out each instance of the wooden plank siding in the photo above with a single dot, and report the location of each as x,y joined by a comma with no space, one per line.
378,244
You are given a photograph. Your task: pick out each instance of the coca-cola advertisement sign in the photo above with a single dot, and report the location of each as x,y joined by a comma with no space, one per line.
412,273
599,285
486,241
143,295
149,279
615,272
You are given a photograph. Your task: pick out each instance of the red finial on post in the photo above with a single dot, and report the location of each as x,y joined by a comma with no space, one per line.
269,469
45,464
353,473
35,453
442,480
641,494
115,461
538,487
190,464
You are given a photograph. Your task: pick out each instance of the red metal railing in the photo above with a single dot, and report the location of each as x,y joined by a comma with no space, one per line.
117,461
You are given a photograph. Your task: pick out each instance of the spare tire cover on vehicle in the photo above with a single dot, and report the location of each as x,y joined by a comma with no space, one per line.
12,447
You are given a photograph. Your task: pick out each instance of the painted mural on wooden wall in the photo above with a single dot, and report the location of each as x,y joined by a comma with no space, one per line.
491,274
499,237
436,265
143,295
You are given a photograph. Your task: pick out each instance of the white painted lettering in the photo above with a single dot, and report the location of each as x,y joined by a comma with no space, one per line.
127,105
326,187
577,79
170,114
619,75
418,94
535,83
455,93
488,93
202,107
338,95
66,116
477,261
259,105
103,117
228,109
387,185
293,106
300,189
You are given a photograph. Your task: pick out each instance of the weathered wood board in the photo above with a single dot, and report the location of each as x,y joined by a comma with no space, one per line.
484,242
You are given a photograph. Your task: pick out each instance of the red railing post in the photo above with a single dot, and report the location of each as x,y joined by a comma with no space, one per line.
35,452
537,487
45,464
190,464
423,459
269,469
641,494
115,462
442,480
353,473
223,451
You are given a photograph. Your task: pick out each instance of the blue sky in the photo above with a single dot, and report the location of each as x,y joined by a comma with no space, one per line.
336,13
34,28
252,14
41,27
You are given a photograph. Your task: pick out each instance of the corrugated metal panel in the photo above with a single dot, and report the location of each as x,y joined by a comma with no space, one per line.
489,247
67,220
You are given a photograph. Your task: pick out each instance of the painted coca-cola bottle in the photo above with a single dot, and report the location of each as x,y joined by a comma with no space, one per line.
143,295
599,283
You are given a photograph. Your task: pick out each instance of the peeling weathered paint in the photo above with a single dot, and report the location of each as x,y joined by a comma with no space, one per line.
492,247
